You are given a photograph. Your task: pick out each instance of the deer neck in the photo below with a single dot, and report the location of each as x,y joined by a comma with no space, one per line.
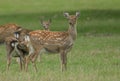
72,31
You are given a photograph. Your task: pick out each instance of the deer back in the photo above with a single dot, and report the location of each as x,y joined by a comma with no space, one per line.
7,31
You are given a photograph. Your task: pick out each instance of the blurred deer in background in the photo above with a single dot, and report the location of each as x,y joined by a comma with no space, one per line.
46,24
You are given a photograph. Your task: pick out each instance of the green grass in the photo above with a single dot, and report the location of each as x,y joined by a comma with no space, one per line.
96,53
91,59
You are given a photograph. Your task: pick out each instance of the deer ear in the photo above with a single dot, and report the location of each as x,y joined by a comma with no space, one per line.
19,28
77,14
66,14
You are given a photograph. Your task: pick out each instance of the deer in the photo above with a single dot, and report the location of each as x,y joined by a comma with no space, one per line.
60,42
7,30
14,44
46,24
7,37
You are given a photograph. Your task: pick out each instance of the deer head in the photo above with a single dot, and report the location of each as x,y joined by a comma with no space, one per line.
46,24
72,18
20,34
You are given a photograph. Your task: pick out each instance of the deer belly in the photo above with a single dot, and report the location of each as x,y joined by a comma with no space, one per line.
51,49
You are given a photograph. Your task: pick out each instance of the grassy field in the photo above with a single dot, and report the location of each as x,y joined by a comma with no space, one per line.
96,53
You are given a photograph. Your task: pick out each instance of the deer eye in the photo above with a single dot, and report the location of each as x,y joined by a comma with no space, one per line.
70,23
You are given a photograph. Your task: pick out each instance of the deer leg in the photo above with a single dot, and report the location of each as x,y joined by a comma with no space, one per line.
63,56
19,60
9,52
8,61
22,61
20,54
26,62
39,57
34,65
65,61
21,57
34,59
31,57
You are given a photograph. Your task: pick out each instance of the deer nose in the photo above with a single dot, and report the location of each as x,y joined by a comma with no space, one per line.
70,23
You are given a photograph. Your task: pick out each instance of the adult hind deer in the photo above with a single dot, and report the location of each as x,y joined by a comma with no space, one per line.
7,36
20,50
13,44
52,41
